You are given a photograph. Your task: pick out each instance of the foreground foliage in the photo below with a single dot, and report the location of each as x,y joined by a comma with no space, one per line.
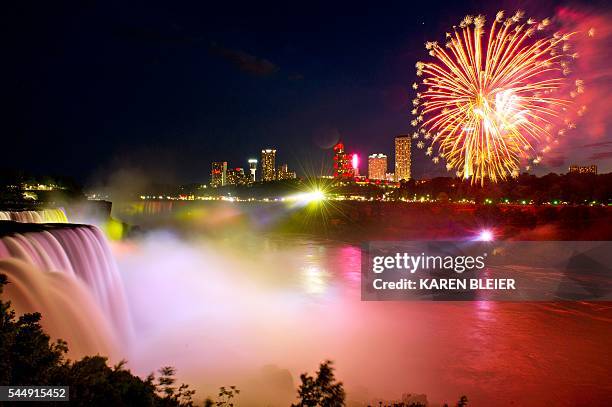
28,357
322,390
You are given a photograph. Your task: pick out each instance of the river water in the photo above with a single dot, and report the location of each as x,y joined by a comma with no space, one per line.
220,308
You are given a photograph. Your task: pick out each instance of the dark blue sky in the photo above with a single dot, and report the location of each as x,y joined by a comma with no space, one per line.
92,86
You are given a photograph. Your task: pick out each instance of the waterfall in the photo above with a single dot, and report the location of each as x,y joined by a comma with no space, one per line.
67,273
55,215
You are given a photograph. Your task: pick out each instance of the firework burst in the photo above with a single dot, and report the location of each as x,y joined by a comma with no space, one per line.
491,96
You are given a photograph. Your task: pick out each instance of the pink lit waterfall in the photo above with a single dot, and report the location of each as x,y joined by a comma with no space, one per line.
69,275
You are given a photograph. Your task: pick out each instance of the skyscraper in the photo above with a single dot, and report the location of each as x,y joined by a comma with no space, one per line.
236,176
377,166
218,175
253,168
284,173
268,162
355,164
342,163
231,177
402,158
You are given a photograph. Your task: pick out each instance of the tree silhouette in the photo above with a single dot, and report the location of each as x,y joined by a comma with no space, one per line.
463,402
226,396
170,393
322,390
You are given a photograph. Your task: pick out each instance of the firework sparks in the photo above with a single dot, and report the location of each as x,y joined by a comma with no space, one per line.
490,95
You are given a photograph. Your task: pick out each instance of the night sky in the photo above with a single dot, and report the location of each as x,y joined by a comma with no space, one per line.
166,88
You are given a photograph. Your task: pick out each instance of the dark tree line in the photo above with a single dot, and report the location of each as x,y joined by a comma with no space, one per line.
572,188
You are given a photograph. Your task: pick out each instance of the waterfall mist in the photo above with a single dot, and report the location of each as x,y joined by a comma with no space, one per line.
256,309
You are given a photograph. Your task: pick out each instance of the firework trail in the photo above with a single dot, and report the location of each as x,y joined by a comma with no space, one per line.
491,96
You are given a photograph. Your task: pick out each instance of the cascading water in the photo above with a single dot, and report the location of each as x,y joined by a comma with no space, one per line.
54,215
68,274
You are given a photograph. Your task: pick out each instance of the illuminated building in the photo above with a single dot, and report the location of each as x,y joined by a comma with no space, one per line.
587,169
242,178
218,176
402,158
390,176
230,177
40,187
281,171
342,165
355,164
284,173
268,165
237,176
377,166
253,168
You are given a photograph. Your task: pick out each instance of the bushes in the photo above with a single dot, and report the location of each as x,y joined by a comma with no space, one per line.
28,357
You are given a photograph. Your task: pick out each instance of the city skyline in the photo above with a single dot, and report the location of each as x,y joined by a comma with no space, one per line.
167,90
222,174
345,167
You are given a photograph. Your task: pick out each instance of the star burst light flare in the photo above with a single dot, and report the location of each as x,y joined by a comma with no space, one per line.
492,96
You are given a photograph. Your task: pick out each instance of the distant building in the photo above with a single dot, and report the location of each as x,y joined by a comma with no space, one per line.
253,168
377,166
237,176
588,169
40,187
355,164
218,175
402,158
268,165
390,176
230,177
342,164
284,173
242,178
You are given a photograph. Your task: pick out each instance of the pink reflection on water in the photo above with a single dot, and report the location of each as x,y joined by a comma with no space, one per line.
293,302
